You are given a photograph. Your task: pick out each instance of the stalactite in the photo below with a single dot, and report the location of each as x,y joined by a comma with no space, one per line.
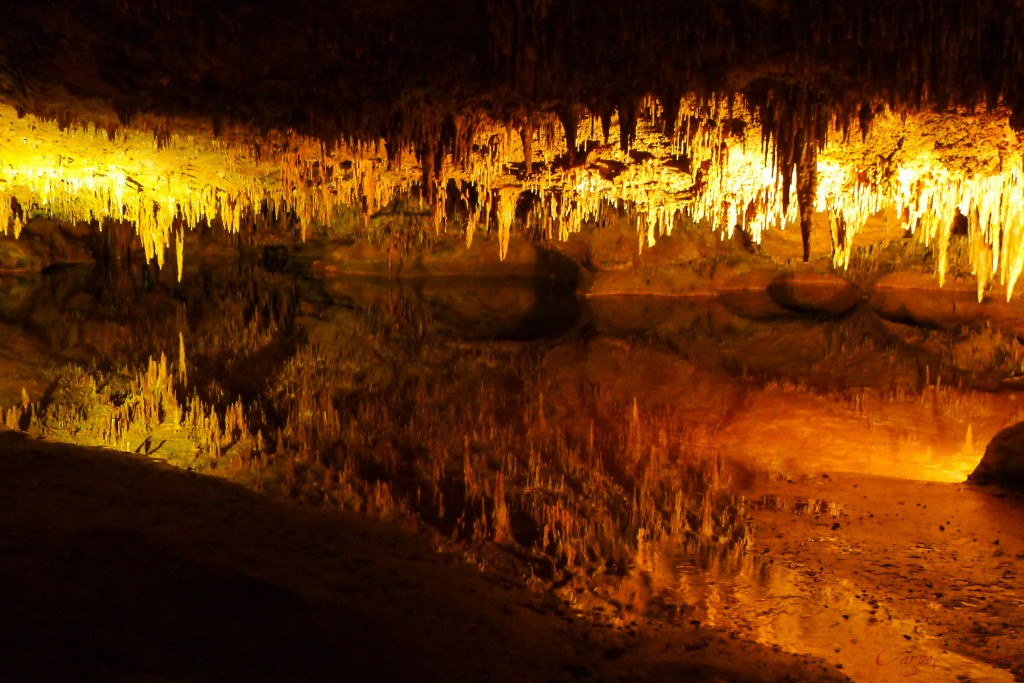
182,367
526,134
711,171
806,190
506,210
179,244
570,122
81,174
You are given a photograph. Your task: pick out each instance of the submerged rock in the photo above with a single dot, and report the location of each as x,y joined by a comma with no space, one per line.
447,258
814,293
1003,462
17,256
45,242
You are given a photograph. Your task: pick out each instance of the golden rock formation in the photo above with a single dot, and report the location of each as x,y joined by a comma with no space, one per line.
712,164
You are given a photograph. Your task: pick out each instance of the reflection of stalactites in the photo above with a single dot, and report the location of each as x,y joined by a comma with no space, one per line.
7,215
670,107
570,121
866,117
606,124
182,367
840,239
369,191
526,134
627,123
179,244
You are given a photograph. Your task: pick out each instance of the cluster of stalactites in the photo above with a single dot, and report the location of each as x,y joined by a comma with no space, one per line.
929,170
167,183
675,161
702,165
731,164
709,167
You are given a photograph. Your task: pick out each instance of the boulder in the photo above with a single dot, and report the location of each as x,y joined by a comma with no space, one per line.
814,293
1003,462
746,294
917,299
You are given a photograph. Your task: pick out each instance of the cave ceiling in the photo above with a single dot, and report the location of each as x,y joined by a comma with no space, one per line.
743,114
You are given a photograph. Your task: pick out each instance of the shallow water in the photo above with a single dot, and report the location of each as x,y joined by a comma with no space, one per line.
807,612
604,421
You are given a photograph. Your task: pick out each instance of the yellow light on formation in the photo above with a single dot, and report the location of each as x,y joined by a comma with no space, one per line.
79,174
923,167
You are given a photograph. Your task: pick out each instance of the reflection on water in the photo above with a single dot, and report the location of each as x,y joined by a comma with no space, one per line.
803,610
585,436
846,395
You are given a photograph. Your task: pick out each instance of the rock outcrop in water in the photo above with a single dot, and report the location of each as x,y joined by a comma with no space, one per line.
1003,463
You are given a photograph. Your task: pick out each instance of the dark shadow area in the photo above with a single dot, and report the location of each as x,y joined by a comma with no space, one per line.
541,305
510,310
111,572
106,604
118,568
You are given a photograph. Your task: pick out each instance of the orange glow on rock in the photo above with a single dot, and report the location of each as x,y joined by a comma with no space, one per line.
714,170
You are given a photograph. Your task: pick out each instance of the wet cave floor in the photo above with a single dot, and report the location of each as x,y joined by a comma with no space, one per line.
493,479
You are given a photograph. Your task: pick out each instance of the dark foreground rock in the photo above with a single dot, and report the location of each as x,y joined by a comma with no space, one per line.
1003,462
117,568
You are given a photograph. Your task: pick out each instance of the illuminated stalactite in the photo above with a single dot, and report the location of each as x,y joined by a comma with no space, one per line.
81,174
712,163
506,214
